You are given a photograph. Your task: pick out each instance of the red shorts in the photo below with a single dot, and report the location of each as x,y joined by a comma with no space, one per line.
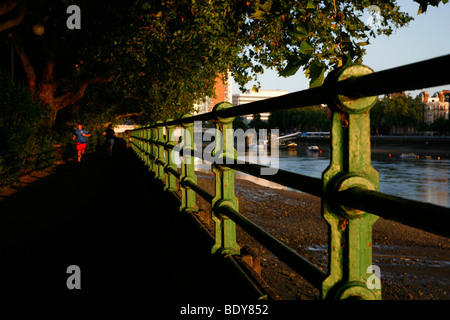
81,146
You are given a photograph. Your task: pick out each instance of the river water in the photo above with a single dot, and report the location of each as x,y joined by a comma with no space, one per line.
426,180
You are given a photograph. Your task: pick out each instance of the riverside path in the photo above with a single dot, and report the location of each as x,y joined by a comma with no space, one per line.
126,236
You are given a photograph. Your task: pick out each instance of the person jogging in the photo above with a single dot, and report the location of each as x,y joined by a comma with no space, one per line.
80,135
109,135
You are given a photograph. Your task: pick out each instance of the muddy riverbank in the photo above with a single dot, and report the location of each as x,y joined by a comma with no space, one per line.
414,264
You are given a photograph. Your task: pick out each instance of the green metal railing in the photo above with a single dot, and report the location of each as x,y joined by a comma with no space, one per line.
351,201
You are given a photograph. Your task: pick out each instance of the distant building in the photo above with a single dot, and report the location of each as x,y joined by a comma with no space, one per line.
252,96
435,106
223,91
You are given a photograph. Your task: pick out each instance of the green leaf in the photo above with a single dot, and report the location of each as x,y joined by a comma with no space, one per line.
262,10
316,73
300,33
311,5
291,68
424,4
297,36
258,15
266,6
305,46
301,28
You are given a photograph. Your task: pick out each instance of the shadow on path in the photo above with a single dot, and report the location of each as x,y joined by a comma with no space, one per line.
119,227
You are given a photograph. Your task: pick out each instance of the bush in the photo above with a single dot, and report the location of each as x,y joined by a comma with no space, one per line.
26,144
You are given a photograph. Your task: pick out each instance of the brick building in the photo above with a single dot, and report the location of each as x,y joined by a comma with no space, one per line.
223,90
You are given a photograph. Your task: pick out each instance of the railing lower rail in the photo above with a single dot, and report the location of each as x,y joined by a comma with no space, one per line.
351,202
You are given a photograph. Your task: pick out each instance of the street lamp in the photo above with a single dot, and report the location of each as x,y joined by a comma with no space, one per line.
38,29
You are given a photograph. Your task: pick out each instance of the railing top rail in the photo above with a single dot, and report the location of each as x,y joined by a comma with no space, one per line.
408,77
425,216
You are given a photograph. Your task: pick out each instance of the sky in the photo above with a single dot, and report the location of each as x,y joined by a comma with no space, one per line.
426,37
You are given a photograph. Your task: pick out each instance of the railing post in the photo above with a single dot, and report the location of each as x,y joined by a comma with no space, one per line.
136,142
188,196
153,150
141,145
160,174
133,140
171,180
146,145
225,228
350,231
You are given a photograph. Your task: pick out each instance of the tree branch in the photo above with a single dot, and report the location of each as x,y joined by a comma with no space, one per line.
49,64
14,20
27,66
7,6
70,98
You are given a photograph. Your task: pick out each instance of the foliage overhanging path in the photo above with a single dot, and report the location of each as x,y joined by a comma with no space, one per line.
155,59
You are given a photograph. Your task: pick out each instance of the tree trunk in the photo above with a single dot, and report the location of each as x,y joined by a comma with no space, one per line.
46,88
17,10
26,63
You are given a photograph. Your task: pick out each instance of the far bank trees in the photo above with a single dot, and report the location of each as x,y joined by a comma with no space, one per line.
399,114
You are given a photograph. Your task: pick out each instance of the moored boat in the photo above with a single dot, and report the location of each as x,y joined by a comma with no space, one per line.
291,145
408,155
313,148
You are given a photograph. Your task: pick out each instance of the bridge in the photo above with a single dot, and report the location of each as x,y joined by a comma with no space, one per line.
291,136
145,240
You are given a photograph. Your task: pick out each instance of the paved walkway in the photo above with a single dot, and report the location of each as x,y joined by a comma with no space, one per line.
123,232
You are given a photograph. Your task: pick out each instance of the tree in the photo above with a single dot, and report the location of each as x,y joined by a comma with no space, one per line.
59,64
313,35
257,123
304,119
396,112
422,127
206,39
238,123
441,125
165,55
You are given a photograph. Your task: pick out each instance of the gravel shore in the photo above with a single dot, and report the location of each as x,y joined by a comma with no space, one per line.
414,264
